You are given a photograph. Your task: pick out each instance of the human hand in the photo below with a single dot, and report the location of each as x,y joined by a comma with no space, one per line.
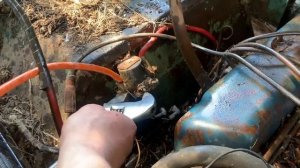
94,137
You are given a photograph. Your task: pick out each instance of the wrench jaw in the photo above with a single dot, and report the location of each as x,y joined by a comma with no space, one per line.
138,111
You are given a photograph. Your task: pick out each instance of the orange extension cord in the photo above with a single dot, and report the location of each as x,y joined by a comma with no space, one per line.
19,80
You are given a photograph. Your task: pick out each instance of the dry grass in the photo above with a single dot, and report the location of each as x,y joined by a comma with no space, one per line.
83,23
5,74
16,111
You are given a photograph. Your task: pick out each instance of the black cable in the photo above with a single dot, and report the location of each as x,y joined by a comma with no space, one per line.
238,150
222,54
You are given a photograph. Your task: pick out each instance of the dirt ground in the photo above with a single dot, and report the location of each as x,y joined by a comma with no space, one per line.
83,21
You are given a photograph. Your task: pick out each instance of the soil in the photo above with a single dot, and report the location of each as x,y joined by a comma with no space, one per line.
290,158
80,20
15,110
5,74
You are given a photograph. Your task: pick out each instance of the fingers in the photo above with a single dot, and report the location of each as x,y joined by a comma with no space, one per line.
110,134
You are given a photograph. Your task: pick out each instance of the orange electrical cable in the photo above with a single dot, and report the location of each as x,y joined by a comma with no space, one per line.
19,80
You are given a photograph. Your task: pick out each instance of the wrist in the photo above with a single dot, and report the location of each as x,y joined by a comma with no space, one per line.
80,156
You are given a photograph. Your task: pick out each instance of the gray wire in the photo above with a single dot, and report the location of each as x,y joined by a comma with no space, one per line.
222,54
238,150
245,49
251,49
269,35
281,58
259,73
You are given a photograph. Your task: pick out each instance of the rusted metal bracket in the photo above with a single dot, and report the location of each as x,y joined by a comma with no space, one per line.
185,46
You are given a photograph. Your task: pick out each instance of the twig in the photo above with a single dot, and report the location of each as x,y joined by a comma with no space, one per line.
283,136
286,142
139,153
157,158
17,110
51,136
30,137
30,97
215,66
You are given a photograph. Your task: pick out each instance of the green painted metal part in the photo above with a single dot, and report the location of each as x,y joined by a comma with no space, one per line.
172,71
269,10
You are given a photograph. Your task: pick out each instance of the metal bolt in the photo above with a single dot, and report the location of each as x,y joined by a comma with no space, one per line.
162,113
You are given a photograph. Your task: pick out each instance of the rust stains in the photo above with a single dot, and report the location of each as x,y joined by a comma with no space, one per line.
178,127
193,137
185,117
263,115
249,129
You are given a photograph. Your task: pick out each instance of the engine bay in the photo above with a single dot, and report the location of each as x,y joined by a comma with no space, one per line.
205,79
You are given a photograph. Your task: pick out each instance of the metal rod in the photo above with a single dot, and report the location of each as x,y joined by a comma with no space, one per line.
184,44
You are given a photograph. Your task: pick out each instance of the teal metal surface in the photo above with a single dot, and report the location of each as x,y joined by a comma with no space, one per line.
269,10
242,110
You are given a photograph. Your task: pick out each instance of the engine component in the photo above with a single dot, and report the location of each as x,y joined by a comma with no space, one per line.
132,72
242,110
137,111
203,155
137,75
174,112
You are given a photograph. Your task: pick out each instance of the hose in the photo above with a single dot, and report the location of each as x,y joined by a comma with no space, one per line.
17,81
164,28
238,150
45,77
